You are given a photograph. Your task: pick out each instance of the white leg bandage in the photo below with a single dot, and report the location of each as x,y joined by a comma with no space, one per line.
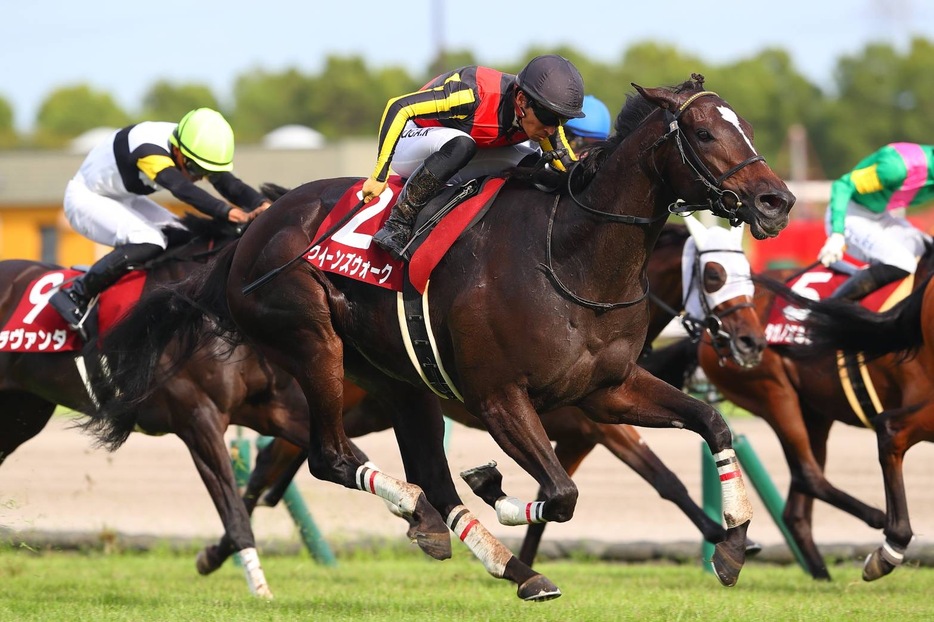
512,511
402,494
481,542
255,578
736,507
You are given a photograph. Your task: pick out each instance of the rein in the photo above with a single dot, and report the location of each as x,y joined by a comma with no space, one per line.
715,194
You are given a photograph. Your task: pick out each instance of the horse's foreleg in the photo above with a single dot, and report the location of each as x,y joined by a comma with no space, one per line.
626,444
895,434
647,401
570,452
515,426
203,434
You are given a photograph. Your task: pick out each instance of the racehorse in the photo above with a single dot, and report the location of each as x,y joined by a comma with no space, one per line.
717,301
797,389
541,304
197,403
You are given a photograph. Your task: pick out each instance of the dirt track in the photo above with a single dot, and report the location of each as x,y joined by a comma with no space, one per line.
58,482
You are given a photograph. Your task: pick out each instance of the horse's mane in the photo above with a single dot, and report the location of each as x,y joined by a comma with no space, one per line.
634,112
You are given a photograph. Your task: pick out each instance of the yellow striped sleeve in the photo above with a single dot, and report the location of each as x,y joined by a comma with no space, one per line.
866,180
154,164
431,103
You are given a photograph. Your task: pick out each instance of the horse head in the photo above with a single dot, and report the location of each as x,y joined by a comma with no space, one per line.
707,157
718,289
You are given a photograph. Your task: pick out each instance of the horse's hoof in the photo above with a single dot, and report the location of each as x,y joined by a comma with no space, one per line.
207,560
485,481
730,555
538,589
263,592
876,566
753,548
434,545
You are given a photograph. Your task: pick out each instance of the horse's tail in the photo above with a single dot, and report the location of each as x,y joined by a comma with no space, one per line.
164,331
834,324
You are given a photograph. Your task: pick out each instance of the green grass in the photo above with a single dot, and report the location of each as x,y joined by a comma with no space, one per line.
406,586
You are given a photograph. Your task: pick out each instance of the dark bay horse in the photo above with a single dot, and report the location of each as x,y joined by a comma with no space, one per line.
719,299
540,305
199,401
797,390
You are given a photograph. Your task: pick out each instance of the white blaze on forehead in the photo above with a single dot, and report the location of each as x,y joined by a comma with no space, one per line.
730,116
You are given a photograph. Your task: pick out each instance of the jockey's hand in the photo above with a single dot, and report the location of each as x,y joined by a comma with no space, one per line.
262,207
372,189
833,249
559,158
240,217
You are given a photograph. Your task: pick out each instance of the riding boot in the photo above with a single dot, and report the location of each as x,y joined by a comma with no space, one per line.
418,190
865,281
72,303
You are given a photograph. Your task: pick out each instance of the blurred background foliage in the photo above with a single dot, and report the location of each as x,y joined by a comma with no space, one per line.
875,96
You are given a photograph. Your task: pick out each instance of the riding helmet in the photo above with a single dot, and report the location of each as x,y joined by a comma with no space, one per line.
205,137
597,121
555,83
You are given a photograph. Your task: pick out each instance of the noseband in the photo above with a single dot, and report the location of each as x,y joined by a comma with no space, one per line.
714,184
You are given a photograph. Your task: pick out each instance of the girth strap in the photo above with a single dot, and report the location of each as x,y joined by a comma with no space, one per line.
415,324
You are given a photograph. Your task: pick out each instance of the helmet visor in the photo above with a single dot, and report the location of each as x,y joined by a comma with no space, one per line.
194,169
546,116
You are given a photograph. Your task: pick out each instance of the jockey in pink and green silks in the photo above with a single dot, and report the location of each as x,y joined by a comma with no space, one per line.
866,216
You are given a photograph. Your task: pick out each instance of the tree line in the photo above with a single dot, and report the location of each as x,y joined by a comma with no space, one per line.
878,95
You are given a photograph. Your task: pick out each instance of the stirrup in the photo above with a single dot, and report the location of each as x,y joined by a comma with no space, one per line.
70,307
394,240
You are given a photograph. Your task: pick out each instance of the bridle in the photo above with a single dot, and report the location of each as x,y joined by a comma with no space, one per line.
712,322
715,204
714,184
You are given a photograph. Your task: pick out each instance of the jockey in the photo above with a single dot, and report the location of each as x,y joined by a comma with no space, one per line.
592,128
467,123
105,201
866,216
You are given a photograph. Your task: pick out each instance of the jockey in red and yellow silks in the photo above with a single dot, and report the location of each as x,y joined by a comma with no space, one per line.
468,123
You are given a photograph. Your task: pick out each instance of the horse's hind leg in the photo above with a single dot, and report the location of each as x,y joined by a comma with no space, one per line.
294,331
896,434
24,416
419,429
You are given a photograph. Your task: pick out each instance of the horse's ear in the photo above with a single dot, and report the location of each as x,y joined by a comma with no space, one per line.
661,97
697,230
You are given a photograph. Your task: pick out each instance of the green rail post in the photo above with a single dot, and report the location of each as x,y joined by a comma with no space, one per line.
311,536
769,494
711,498
240,458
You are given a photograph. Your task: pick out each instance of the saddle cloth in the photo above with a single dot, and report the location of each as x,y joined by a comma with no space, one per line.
345,236
784,324
34,326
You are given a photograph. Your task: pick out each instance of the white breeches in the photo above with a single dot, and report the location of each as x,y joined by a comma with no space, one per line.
882,238
417,143
115,221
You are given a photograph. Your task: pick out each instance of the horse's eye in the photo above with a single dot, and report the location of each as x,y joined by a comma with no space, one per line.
704,135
